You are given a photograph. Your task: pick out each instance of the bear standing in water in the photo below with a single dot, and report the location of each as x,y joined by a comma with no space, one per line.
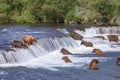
118,60
93,64
28,39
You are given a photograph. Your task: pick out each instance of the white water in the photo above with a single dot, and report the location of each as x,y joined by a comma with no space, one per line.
99,31
46,52
42,47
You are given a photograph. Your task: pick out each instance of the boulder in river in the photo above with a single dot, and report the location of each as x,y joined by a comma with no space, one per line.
75,35
101,37
18,44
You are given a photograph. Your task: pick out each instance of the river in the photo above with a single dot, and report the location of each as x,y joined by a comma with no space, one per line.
43,60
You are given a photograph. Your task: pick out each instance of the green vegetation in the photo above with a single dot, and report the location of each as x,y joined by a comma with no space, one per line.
82,11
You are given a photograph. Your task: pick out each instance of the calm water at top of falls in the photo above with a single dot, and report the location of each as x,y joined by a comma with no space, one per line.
43,60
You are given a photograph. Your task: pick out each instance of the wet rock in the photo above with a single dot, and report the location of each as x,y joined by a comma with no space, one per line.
101,37
75,35
87,44
118,60
66,59
93,63
98,51
65,52
113,38
18,44
99,24
28,39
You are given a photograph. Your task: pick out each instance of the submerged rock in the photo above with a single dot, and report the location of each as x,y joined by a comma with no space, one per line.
65,52
6,48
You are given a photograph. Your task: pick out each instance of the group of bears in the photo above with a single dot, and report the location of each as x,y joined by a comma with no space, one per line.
92,64
29,40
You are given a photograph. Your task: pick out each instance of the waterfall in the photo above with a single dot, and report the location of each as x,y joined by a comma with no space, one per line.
42,47
94,31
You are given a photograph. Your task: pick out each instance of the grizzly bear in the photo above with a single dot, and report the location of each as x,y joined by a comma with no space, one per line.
65,52
87,44
28,39
118,60
18,44
113,38
66,59
98,51
93,64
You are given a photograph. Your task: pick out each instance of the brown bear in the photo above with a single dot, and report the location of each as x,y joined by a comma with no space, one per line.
66,59
28,39
118,60
93,64
65,52
113,38
98,51
87,44
18,44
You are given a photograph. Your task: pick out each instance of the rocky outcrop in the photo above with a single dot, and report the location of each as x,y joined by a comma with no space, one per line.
75,35
113,38
93,63
18,44
99,24
65,52
66,59
98,51
101,37
87,44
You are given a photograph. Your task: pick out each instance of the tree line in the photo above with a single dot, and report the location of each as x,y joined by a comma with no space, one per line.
76,11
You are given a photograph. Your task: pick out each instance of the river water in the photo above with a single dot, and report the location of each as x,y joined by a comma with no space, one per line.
42,60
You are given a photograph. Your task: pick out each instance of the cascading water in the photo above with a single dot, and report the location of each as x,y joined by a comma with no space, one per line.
42,47
37,61
95,31
47,50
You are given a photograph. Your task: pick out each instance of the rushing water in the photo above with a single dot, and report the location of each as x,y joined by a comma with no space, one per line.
42,60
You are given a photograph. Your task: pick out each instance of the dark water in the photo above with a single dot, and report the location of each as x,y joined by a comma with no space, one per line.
107,69
104,72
